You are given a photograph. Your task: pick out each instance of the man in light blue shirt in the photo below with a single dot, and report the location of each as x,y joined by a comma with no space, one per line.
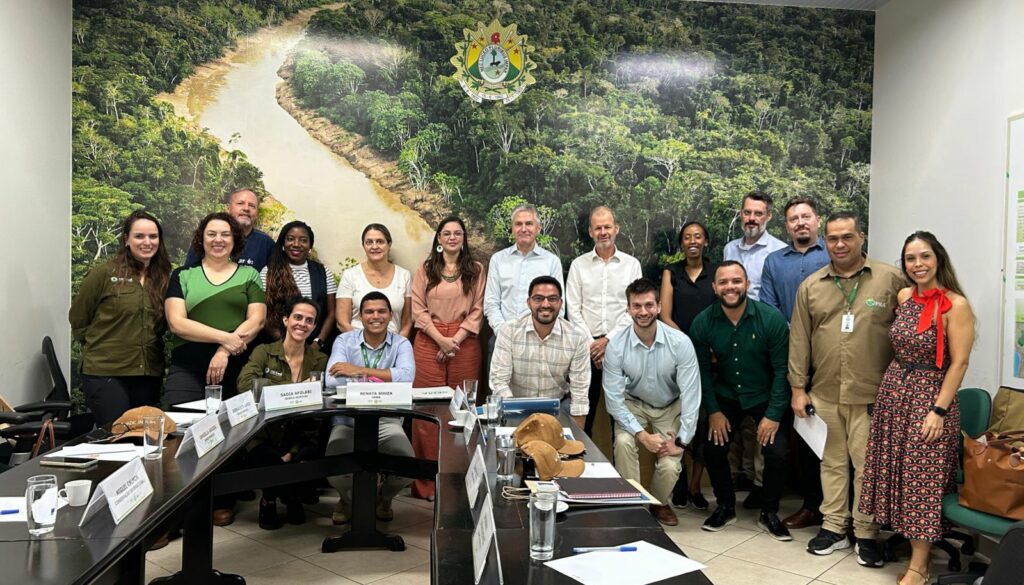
513,269
756,244
371,352
785,269
651,379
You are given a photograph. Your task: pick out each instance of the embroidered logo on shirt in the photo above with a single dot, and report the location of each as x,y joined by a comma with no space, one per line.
871,303
272,372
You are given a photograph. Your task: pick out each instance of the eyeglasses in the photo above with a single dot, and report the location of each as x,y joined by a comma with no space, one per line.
553,299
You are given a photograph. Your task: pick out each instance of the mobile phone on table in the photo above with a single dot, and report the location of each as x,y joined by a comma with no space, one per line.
68,462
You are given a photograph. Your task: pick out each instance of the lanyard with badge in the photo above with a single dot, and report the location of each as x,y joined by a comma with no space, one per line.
366,357
847,323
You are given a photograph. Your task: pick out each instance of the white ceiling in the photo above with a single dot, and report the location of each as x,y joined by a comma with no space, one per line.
871,5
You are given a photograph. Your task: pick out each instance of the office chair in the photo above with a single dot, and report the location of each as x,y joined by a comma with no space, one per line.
1005,568
27,419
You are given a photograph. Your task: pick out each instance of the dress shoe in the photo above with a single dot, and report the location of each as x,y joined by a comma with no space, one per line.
665,515
268,519
802,519
223,517
161,542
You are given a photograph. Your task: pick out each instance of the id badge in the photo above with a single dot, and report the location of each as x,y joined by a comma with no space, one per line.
847,324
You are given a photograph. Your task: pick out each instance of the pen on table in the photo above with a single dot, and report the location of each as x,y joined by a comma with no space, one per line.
586,549
7,512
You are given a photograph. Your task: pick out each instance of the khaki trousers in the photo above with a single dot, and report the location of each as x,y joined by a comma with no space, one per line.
627,461
846,442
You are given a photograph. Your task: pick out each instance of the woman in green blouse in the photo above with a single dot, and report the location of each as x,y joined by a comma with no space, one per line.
118,318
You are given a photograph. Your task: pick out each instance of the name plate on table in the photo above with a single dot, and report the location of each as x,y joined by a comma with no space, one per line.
379,394
291,396
203,435
476,474
239,408
458,401
122,492
469,425
483,535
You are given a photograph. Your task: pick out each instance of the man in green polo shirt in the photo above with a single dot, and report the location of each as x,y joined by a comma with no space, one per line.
742,347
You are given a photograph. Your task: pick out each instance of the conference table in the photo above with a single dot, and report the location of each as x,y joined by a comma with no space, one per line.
183,489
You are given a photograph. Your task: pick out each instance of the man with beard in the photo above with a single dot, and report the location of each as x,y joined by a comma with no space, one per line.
542,355
596,291
750,343
651,380
244,206
784,270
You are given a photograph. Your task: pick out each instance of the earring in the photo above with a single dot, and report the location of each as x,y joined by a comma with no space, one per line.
439,249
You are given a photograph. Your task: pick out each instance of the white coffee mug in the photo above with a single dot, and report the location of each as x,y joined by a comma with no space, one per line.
77,492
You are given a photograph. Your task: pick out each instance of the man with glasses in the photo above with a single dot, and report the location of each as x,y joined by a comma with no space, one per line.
652,389
542,355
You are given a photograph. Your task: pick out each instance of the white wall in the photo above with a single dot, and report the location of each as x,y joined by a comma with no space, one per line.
35,190
948,74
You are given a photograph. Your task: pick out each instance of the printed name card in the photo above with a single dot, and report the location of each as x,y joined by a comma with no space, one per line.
469,424
381,394
483,535
122,492
203,435
458,401
476,474
239,408
291,396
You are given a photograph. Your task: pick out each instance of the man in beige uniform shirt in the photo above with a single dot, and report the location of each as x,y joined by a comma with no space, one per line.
839,347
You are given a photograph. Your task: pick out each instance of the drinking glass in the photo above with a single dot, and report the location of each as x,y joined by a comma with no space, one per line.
542,525
153,435
506,455
213,393
469,387
41,504
257,388
494,403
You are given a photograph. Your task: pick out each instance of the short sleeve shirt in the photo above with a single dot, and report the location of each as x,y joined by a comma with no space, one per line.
354,285
221,306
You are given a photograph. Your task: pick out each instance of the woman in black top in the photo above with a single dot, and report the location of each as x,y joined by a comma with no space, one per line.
685,292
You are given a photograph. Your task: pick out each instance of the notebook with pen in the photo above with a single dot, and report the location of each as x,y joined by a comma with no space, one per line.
598,488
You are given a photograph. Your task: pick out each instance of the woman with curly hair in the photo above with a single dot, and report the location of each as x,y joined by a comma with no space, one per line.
292,273
118,318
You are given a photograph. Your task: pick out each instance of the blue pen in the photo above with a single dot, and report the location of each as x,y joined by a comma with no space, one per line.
8,512
586,549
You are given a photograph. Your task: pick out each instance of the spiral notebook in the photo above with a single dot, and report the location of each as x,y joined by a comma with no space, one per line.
598,488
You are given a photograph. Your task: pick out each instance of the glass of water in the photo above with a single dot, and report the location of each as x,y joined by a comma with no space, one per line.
469,387
505,450
494,403
153,436
542,525
213,394
41,504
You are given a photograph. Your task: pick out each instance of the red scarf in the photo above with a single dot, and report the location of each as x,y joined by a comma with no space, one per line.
935,305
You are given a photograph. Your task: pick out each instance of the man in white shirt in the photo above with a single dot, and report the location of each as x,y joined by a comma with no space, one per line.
511,270
751,251
596,295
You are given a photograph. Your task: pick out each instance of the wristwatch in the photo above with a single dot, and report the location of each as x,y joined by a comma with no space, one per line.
939,410
679,443
317,341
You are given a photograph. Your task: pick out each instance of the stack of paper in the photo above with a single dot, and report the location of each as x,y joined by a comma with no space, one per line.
647,564
102,452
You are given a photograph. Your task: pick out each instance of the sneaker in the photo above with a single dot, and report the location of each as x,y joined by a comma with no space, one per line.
679,500
384,511
771,524
719,519
868,553
342,513
827,542
698,501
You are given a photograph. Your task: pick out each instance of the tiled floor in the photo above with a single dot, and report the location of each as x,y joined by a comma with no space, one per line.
739,555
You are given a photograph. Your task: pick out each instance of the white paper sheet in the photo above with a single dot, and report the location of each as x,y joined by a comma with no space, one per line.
648,564
199,405
566,431
603,469
115,452
18,503
813,430
184,419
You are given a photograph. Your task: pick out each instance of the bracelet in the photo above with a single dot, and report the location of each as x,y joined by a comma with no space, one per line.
939,410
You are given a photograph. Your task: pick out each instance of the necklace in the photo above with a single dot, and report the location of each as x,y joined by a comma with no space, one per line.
451,278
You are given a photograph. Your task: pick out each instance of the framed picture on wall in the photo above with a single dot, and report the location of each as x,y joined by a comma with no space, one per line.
1013,275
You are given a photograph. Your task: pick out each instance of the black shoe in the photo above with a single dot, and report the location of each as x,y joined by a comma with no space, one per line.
868,553
742,483
296,514
679,500
719,519
771,523
268,515
754,499
698,501
827,542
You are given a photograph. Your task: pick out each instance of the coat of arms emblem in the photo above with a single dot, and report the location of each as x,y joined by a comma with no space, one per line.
493,63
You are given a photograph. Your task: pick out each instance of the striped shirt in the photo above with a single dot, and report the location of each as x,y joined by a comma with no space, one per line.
524,365
300,272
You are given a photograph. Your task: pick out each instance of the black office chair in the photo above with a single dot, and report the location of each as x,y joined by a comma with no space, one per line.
1005,568
27,419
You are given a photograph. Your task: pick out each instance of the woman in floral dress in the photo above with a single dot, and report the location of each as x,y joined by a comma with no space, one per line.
912,450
